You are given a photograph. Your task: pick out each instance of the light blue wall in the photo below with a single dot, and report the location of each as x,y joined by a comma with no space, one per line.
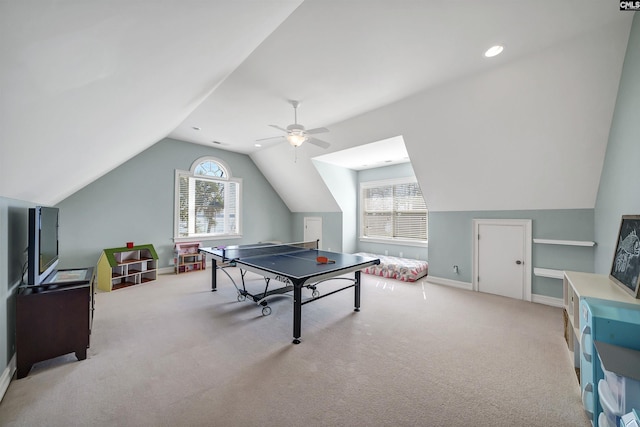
135,202
451,243
619,191
403,170
343,184
341,230
14,239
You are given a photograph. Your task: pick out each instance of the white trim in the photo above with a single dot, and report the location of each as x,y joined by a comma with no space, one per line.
399,242
542,299
176,207
548,272
538,299
526,223
449,282
205,237
225,167
564,242
7,374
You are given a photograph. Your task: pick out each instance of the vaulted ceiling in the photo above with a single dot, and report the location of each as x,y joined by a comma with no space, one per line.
85,86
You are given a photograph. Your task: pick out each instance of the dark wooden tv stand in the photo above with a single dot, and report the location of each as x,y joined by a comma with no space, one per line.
54,318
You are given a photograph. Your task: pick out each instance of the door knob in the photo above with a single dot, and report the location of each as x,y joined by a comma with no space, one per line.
519,262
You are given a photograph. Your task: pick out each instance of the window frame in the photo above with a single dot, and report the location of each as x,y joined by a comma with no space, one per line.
227,178
361,214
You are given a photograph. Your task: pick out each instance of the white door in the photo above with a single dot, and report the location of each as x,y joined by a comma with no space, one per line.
313,229
503,257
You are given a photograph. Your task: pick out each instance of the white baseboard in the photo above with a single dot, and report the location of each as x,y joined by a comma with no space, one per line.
5,379
539,299
542,299
448,282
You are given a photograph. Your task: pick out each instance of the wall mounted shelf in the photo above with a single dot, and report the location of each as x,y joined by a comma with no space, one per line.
554,273
548,272
564,242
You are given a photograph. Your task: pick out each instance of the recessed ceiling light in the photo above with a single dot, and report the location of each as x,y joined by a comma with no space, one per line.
493,51
258,145
195,128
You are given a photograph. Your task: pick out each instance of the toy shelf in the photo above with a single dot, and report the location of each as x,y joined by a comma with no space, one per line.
123,267
187,258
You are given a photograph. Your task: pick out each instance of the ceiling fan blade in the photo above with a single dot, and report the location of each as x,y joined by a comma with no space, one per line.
271,137
318,142
317,130
278,127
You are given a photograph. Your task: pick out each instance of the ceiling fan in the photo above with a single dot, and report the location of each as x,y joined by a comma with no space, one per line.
296,134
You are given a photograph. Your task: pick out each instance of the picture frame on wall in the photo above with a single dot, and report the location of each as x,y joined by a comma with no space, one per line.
625,268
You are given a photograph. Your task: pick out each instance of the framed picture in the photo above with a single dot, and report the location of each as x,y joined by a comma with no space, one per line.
625,268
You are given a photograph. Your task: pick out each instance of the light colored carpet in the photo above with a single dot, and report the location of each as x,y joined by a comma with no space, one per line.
173,353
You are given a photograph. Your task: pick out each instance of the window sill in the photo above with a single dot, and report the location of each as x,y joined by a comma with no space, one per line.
206,237
416,243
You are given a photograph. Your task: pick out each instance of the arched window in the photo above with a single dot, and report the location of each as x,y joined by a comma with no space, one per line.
210,167
207,201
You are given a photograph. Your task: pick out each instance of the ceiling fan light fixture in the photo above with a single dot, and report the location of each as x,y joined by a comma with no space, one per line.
296,139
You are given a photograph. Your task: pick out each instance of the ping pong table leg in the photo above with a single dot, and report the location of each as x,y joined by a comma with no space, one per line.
357,291
297,313
214,275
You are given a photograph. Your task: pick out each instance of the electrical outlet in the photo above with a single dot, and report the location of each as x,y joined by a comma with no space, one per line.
400,254
386,252
455,269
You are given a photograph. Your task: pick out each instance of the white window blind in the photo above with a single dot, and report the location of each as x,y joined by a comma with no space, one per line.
394,211
208,205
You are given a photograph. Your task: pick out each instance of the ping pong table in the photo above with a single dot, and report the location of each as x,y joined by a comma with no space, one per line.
295,265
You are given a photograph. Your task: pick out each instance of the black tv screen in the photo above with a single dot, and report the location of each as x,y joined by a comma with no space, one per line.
43,243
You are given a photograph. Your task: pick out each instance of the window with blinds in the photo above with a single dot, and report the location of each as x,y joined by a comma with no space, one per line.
393,210
208,202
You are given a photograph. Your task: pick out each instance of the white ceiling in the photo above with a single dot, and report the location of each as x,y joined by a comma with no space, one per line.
377,154
341,59
102,82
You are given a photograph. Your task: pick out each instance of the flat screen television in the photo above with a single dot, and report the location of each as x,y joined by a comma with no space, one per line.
43,243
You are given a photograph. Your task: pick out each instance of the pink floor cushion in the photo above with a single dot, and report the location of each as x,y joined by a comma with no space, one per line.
405,269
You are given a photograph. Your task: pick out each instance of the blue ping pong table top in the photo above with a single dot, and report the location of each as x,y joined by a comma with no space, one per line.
297,263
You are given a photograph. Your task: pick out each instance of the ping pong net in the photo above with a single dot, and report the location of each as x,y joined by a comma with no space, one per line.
233,253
